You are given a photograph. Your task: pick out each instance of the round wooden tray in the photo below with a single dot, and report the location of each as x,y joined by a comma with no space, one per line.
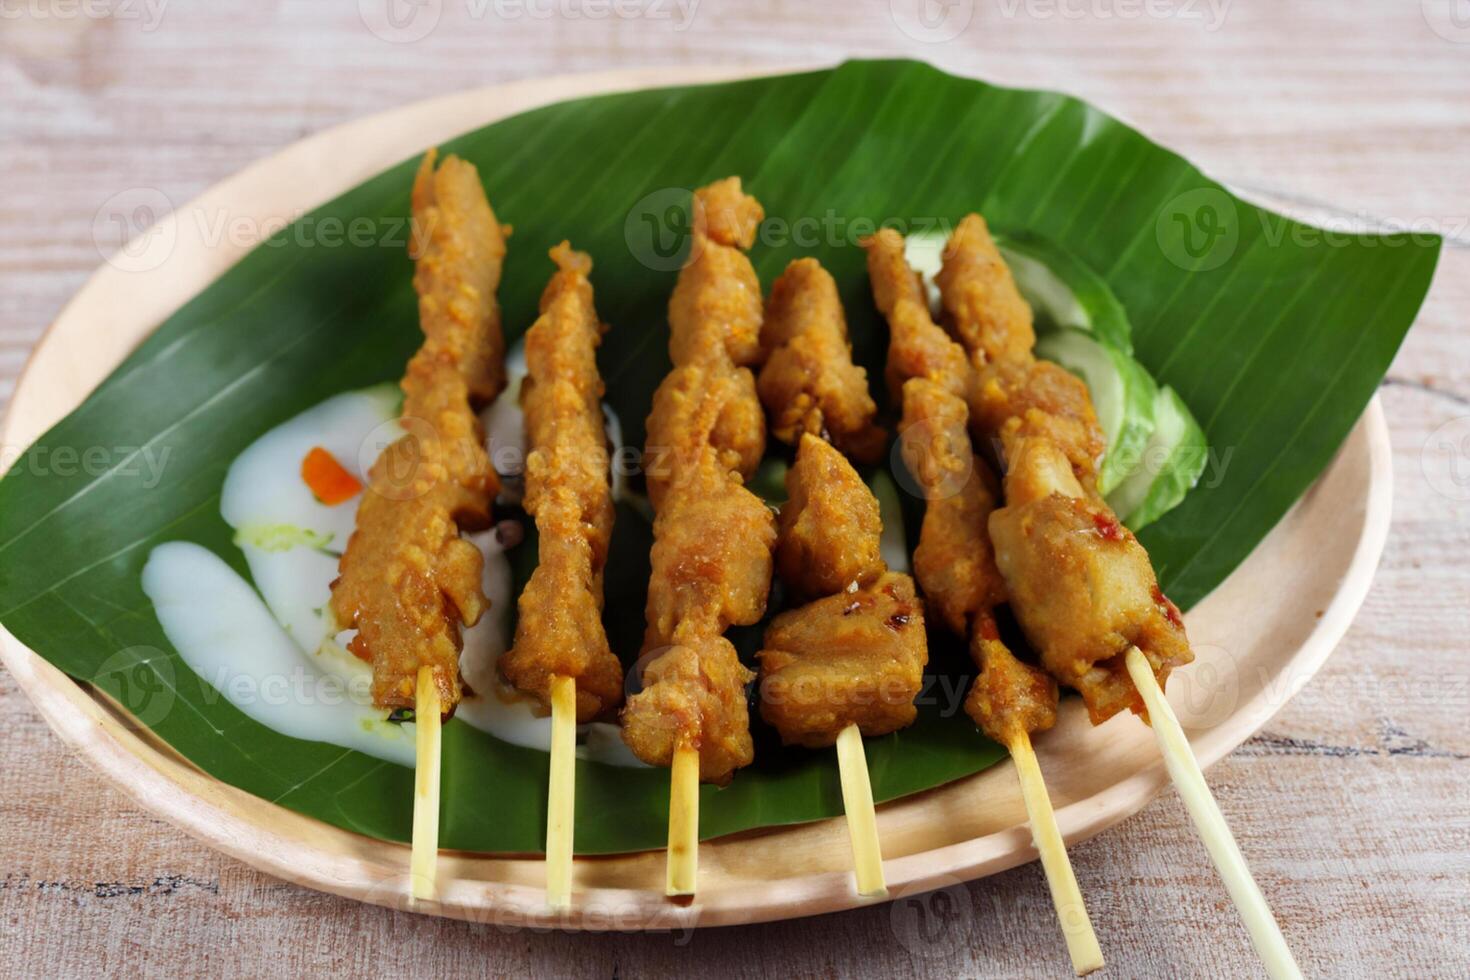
1259,637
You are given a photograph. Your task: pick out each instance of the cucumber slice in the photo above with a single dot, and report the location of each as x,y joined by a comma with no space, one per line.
1063,290
1123,395
1169,468
893,544
924,251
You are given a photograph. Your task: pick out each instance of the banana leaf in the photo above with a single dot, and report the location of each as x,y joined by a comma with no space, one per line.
1275,336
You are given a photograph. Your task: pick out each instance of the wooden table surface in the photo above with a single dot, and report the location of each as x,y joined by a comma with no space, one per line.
1353,805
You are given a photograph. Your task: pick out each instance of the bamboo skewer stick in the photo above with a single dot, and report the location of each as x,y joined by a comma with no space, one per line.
683,858
1184,770
1065,895
424,858
862,822
561,805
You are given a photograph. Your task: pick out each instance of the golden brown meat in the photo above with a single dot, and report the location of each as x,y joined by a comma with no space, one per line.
711,569
407,582
980,296
715,318
699,405
988,314
855,658
917,346
407,579
1008,698
856,655
829,526
559,620
809,383
559,628
953,562
459,247
1046,400
711,558
694,693
712,546
715,311
1080,583
561,397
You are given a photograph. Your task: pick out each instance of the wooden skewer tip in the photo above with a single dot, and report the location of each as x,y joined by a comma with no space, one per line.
561,808
1076,925
683,857
862,820
424,857
1189,780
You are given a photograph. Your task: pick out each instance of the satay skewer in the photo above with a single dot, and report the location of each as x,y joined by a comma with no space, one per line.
955,564
561,655
711,556
811,387
1042,488
1009,700
1056,539
847,660
408,582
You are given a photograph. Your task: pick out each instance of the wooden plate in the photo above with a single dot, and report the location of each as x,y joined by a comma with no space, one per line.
1259,637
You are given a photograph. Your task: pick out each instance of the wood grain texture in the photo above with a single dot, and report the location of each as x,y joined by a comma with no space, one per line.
1353,806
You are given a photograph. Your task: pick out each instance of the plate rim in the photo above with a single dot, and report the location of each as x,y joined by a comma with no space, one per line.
162,782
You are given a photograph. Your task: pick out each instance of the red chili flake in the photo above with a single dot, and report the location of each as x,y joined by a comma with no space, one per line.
1171,611
897,621
1107,525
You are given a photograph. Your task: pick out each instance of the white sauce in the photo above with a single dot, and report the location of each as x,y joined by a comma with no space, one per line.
505,428
277,660
232,641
